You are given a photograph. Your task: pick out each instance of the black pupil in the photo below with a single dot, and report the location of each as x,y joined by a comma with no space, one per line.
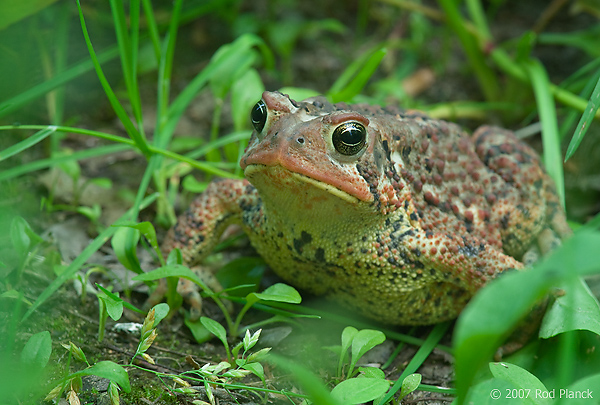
349,138
258,116
352,135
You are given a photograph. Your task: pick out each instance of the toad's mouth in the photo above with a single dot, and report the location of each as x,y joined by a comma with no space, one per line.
279,177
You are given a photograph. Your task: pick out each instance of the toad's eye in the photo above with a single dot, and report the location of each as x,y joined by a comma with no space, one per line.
349,138
258,116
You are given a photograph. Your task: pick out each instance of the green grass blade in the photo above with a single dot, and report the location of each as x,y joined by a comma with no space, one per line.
27,143
485,76
547,112
356,76
70,271
424,351
126,144
128,52
46,163
17,102
162,138
585,121
136,136
152,28
182,101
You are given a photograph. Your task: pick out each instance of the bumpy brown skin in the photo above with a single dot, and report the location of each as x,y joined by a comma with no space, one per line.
405,231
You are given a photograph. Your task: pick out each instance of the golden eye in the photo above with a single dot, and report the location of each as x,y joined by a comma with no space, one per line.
349,138
258,116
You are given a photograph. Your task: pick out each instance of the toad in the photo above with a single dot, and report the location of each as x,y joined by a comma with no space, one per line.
398,216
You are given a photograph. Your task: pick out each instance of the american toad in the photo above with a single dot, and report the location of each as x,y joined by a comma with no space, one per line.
394,214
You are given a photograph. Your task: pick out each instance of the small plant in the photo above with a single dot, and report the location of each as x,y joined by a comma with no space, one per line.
72,383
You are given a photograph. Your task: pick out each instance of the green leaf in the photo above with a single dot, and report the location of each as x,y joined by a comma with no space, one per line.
215,328
245,92
280,293
587,385
80,260
200,333
521,379
496,309
491,392
124,243
371,372
147,230
114,307
160,312
410,384
232,67
256,369
116,298
37,350
347,336
578,309
109,370
359,390
363,341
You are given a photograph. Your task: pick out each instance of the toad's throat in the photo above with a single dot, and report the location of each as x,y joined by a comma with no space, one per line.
277,176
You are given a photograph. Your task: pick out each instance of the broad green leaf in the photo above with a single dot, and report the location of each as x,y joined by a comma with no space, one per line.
363,341
359,390
372,372
492,392
522,379
256,369
279,292
109,370
347,336
160,312
245,92
147,229
588,387
410,384
578,309
115,297
124,243
215,328
113,307
496,309
37,350
200,333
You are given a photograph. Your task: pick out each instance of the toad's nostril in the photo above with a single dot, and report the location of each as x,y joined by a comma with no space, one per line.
300,140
